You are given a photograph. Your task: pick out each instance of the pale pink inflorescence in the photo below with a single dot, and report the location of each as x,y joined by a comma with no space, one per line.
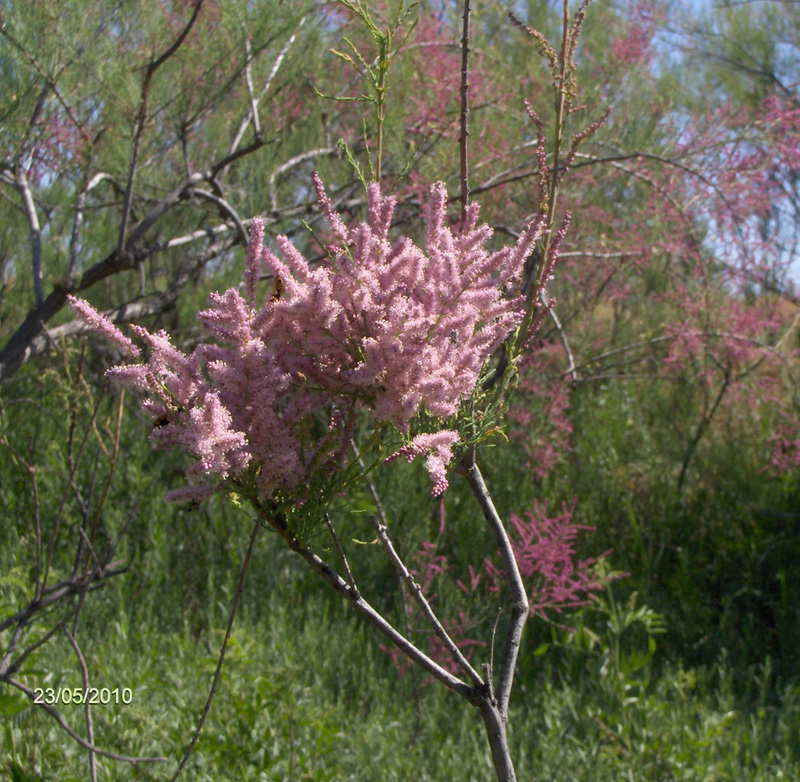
438,447
102,325
544,548
384,327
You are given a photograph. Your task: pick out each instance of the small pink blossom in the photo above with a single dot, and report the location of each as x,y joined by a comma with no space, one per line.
438,447
102,325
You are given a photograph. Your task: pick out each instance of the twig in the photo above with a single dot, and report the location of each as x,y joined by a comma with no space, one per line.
339,548
370,484
520,607
224,205
415,654
82,741
252,112
65,495
77,219
248,77
35,231
290,163
494,635
571,369
222,650
403,596
423,602
152,67
464,114
88,704
702,426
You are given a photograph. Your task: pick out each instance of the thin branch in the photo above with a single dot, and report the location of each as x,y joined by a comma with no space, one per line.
88,704
342,557
294,161
59,592
152,67
82,741
73,468
403,595
221,659
35,231
571,369
224,205
696,333
248,77
74,241
701,427
252,113
416,590
520,606
372,616
462,141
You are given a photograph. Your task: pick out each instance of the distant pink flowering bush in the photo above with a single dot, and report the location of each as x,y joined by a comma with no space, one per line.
544,548
383,327
540,417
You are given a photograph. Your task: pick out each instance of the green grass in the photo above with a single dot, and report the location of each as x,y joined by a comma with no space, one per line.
307,694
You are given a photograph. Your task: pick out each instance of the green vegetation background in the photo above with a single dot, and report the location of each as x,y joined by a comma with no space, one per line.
686,669
307,693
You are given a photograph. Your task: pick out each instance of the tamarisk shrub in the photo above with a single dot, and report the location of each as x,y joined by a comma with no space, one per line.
267,405
386,337
379,327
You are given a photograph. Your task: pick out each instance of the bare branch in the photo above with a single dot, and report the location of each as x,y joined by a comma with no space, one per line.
224,205
290,163
21,183
342,557
248,77
60,592
82,741
372,616
252,113
88,706
404,573
571,369
140,123
222,650
520,607
464,114
74,242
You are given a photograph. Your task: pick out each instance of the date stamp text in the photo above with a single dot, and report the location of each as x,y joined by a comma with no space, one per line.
94,696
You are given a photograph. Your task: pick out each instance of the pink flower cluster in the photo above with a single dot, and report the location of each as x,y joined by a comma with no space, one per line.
544,548
384,327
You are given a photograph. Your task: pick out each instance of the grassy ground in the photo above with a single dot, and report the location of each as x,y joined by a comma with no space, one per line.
307,694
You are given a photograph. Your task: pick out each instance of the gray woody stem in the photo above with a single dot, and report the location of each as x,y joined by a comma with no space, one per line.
520,607
495,724
371,615
423,603
82,741
464,114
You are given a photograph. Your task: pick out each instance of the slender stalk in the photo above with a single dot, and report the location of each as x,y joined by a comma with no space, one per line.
423,602
87,705
369,613
207,707
141,120
66,728
464,113
520,606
